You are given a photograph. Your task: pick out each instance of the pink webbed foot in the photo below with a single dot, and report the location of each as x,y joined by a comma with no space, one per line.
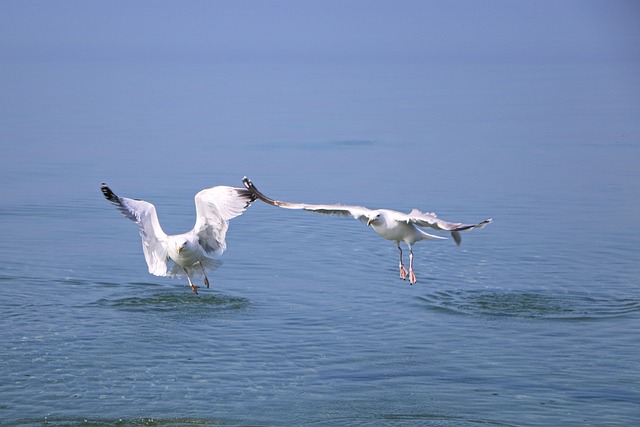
412,277
403,272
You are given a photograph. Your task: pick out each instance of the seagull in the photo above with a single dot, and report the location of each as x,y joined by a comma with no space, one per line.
392,225
192,252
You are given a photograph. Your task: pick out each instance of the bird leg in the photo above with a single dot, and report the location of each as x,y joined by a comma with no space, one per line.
204,273
194,288
403,271
412,276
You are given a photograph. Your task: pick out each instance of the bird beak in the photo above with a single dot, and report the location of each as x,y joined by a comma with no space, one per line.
179,249
369,221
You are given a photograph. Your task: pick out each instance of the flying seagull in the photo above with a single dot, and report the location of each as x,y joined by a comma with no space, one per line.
192,252
391,225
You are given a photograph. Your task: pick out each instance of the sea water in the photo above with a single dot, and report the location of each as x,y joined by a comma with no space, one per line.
534,320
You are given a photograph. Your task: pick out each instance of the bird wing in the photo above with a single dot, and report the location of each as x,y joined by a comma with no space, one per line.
154,239
358,212
215,206
431,220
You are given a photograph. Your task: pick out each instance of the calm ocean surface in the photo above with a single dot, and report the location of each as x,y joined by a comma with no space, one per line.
532,321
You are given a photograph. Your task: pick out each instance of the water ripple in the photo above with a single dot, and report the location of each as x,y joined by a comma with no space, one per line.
399,419
441,420
532,305
118,422
177,303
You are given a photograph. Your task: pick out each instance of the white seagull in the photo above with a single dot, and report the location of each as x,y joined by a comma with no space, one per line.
191,252
391,225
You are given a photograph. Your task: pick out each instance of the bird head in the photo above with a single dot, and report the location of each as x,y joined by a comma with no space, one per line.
181,245
373,218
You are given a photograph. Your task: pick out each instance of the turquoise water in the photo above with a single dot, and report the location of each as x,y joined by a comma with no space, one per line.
532,321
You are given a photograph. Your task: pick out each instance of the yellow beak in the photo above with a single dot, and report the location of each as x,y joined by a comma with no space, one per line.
179,249
369,221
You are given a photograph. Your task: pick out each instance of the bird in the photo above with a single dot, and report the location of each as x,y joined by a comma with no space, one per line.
195,251
392,225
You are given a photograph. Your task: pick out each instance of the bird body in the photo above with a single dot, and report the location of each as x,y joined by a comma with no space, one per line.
190,253
384,222
392,225
185,251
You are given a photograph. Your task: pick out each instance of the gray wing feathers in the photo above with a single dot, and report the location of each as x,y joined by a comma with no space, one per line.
431,220
358,212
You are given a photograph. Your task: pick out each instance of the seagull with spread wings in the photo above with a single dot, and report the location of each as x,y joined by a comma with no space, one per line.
193,252
392,225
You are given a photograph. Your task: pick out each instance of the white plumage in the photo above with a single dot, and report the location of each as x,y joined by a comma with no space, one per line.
194,252
391,225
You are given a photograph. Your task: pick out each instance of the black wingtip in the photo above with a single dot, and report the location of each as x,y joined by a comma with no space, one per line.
252,188
247,193
252,198
247,183
456,237
108,194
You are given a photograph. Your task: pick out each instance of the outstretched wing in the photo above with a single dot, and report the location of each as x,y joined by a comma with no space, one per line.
215,206
358,212
431,220
153,238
